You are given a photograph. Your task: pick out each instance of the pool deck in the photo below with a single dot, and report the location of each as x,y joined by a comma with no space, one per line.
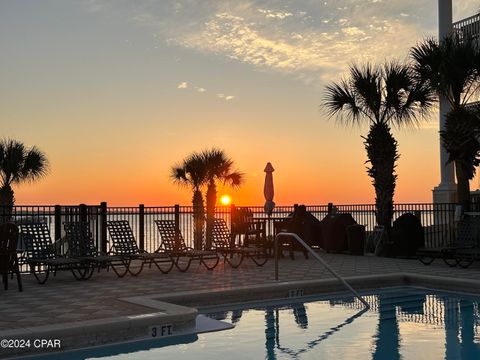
63,300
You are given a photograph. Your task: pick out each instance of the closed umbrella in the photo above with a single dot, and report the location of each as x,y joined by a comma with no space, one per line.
268,190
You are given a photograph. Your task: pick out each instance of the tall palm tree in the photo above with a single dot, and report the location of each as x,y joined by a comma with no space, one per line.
219,168
192,172
381,95
18,164
451,68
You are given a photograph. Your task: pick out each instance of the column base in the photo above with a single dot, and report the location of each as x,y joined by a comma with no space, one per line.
445,194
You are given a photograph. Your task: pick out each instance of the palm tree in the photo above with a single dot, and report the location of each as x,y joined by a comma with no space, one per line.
219,167
192,172
382,96
18,164
451,69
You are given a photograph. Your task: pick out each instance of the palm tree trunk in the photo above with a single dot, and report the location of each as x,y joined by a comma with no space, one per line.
382,155
211,202
7,200
463,185
198,219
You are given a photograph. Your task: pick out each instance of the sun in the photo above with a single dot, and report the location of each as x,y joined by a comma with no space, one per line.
225,200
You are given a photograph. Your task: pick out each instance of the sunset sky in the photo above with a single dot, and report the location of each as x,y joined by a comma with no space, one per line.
115,92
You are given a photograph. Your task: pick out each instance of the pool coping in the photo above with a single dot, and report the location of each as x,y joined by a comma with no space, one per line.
291,289
179,310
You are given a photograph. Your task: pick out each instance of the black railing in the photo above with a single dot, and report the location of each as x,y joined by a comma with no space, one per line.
437,219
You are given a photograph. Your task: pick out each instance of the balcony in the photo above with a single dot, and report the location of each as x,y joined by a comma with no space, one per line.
469,26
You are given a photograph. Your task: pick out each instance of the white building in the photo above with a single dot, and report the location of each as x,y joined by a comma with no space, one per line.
445,192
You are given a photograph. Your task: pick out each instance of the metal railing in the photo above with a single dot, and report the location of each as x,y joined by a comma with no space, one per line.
437,219
469,26
319,259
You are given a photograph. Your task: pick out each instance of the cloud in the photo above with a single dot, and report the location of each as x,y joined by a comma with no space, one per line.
226,97
270,14
310,40
186,85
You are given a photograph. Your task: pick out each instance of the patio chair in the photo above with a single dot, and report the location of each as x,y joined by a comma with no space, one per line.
174,245
82,247
465,256
8,254
42,257
232,253
244,224
124,244
465,242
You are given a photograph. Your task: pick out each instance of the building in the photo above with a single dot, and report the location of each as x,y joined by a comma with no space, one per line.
445,192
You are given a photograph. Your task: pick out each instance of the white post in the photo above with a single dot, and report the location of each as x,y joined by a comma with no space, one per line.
446,191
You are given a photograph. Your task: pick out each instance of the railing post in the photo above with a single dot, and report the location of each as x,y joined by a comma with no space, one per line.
141,226
58,222
275,255
233,234
176,214
103,227
329,208
83,212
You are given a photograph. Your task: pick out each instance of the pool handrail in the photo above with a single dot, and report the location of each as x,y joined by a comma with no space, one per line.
316,256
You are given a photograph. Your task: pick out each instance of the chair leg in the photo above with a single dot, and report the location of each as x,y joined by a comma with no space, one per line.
41,278
120,274
136,273
19,279
5,281
179,267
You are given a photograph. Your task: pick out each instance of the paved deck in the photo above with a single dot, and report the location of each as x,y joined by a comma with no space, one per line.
63,299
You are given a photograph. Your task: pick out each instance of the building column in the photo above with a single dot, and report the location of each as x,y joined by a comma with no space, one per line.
446,191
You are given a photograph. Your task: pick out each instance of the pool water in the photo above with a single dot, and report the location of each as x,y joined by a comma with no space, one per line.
403,323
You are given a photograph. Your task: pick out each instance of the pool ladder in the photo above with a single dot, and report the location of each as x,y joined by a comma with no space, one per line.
316,256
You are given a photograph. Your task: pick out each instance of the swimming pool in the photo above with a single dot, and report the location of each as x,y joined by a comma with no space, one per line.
403,322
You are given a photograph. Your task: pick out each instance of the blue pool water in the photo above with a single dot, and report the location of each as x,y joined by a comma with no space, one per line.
403,323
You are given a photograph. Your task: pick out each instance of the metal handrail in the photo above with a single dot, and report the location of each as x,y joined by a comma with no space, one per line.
316,256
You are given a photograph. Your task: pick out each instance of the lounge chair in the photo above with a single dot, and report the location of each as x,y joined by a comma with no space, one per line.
8,254
174,245
124,244
465,241
42,257
234,254
81,246
465,256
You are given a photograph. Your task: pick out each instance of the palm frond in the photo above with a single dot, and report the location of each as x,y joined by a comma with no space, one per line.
451,67
178,175
339,99
427,63
19,163
234,179
196,170
219,167
366,81
35,166
407,101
